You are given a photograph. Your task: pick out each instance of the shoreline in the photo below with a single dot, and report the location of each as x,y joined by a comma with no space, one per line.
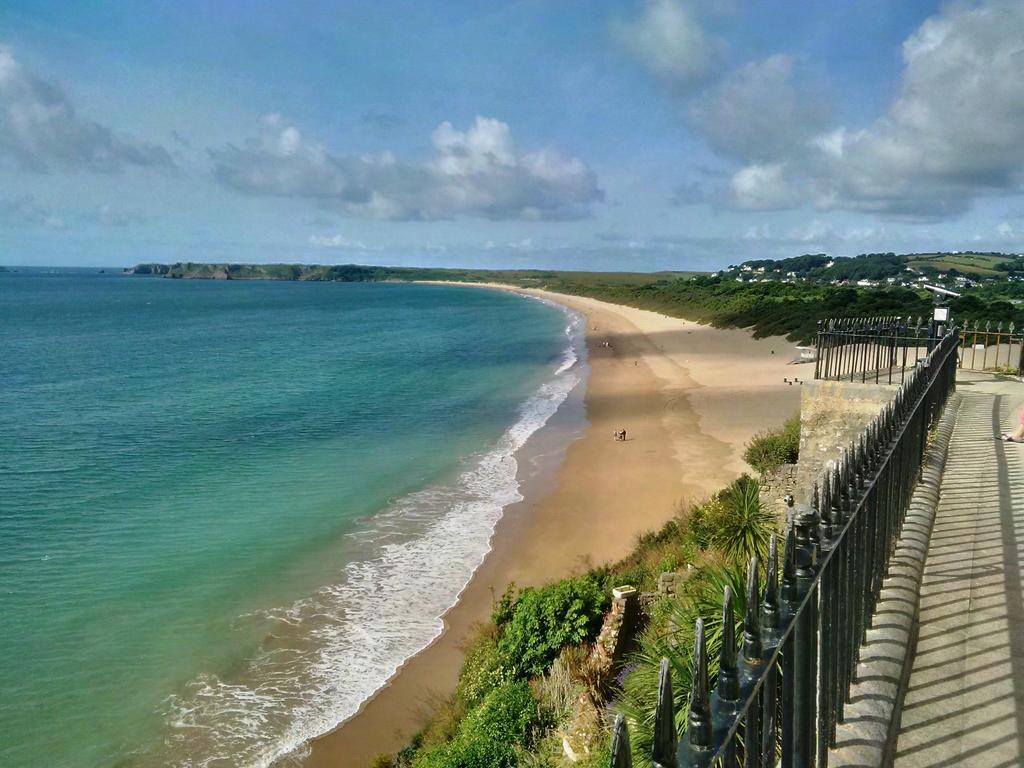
672,384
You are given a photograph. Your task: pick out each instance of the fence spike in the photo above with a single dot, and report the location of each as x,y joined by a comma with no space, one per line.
850,495
813,515
788,591
698,732
805,551
728,675
663,752
837,502
862,463
770,604
751,617
825,511
622,757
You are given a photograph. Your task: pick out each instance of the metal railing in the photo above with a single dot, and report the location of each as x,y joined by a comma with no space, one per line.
991,349
884,350
781,694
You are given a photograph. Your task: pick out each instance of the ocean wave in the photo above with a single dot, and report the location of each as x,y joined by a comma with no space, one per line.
328,654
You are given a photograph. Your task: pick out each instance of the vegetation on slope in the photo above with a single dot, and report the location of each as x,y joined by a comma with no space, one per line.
524,670
773,448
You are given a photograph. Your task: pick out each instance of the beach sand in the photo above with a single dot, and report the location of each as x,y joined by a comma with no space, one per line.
690,398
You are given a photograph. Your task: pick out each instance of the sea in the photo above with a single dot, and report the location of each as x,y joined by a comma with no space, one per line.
230,510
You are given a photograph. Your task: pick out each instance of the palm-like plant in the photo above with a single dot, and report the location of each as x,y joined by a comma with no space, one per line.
743,527
672,638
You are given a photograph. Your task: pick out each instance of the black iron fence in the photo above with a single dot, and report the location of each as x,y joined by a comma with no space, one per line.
995,348
782,686
877,349
884,350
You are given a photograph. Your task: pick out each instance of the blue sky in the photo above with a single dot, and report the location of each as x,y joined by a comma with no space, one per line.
651,134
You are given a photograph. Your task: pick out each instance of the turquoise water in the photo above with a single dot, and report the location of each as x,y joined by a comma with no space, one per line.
229,510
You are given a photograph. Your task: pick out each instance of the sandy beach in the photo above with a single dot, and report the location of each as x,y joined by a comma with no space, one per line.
689,396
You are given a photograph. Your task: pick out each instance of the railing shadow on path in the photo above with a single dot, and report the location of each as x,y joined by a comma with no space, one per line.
965,698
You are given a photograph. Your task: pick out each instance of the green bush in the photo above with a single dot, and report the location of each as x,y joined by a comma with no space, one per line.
504,606
490,733
771,449
702,522
547,619
482,670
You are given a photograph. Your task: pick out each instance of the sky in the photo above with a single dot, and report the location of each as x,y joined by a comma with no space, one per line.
568,134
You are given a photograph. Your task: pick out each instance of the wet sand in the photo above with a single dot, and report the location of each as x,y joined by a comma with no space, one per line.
689,396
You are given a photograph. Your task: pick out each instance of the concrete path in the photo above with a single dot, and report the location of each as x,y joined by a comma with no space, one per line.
965,700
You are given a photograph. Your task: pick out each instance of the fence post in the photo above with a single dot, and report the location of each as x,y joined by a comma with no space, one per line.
769,624
695,747
664,750
621,755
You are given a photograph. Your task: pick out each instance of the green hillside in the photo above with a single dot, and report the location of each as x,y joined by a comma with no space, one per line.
979,264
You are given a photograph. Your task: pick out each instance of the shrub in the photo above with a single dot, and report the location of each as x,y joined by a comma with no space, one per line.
769,450
504,606
546,620
447,715
558,689
490,733
703,521
482,670
546,753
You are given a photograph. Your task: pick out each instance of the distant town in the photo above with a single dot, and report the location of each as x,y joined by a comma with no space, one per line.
953,269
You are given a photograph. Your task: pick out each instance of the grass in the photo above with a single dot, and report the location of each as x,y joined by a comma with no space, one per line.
967,263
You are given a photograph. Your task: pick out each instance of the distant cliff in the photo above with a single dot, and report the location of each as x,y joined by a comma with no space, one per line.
347,273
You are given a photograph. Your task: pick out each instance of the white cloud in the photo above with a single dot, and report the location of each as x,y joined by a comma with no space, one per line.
671,41
761,112
762,187
954,132
812,231
25,211
41,131
336,241
477,172
758,232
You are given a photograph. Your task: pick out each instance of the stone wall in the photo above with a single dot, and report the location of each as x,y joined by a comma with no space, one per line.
776,485
833,413
619,629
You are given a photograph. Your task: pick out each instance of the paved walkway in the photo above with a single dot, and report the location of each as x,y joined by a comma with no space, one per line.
965,700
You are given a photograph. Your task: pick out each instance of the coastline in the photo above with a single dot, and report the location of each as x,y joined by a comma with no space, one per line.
672,384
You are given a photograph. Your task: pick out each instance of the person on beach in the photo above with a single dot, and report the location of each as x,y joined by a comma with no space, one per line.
1017,436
